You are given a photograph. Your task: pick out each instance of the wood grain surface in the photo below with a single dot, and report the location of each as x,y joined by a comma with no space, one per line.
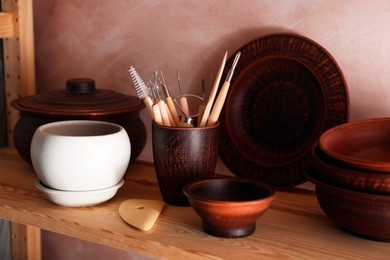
294,226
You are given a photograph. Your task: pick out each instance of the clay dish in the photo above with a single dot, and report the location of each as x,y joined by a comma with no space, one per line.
78,198
332,171
362,144
362,214
229,207
286,91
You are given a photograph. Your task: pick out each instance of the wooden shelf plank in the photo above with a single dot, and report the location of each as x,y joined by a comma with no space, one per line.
294,226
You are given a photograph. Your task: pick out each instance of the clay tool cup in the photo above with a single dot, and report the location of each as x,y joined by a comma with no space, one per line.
217,108
213,93
181,155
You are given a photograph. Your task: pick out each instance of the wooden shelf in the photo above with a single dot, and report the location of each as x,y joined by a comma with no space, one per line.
294,226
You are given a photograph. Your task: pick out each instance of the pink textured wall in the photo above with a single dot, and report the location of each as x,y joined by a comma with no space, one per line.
101,39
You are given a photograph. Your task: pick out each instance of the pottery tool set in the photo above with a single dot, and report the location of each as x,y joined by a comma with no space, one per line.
175,112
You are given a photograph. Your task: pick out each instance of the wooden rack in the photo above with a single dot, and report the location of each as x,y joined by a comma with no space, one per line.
16,29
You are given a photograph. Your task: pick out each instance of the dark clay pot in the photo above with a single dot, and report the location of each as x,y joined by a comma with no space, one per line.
79,101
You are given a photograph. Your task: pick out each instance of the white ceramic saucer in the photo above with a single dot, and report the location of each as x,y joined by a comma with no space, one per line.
78,198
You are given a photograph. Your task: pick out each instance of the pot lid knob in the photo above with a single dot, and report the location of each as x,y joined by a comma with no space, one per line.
80,86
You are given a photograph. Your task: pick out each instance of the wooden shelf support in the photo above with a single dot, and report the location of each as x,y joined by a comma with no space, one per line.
16,29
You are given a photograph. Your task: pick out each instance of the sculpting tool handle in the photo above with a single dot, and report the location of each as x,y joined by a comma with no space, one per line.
157,115
173,110
217,108
164,113
149,103
213,93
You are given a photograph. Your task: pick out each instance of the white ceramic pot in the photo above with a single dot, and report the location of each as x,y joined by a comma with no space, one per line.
79,155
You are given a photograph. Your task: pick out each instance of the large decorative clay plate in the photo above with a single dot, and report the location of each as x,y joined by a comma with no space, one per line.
286,91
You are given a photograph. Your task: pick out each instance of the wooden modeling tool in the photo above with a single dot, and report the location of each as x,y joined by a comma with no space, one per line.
183,100
213,93
141,213
169,100
159,101
217,108
157,115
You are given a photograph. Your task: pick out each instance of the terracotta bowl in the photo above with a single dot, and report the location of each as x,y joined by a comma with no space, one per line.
362,214
362,144
229,207
332,171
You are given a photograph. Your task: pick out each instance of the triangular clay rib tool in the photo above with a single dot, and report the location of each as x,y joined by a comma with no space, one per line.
141,213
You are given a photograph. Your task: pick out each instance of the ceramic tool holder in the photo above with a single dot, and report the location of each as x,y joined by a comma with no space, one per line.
182,155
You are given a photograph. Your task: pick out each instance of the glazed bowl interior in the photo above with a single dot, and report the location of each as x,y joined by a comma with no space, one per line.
336,173
362,144
220,191
81,128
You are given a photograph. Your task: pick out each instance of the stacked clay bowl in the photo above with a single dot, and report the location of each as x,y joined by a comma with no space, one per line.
351,172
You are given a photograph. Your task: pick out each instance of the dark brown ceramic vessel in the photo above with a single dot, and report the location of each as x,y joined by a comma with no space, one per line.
286,91
182,155
333,172
362,214
229,207
81,100
362,144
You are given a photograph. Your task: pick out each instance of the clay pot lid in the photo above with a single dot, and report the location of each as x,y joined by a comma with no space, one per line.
80,98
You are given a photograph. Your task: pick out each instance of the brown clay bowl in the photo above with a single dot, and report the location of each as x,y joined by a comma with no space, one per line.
332,171
362,144
229,207
363,214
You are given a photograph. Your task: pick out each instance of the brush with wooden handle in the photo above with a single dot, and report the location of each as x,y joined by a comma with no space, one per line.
213,93
217,108
142,90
